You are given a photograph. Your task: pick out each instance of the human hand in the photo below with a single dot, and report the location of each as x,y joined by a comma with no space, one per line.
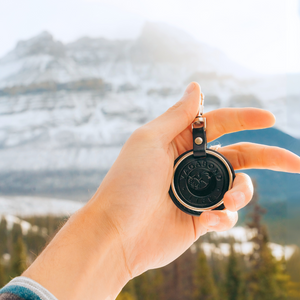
134,194
131,224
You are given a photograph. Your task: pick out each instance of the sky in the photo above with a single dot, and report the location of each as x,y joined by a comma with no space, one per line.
262,35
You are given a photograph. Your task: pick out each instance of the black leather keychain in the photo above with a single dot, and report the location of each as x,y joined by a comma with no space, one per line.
201,176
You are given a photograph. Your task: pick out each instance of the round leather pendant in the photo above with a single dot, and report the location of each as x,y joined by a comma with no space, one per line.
199,183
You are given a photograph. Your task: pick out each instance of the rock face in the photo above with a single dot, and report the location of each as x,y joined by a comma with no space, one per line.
68,108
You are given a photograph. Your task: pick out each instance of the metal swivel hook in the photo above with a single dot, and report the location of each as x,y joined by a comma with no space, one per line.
200,121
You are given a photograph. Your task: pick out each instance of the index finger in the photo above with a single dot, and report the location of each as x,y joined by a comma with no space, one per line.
228,120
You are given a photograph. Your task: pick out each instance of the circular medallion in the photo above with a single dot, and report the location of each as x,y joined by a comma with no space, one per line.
199,183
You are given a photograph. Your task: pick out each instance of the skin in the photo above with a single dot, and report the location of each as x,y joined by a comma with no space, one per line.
131,225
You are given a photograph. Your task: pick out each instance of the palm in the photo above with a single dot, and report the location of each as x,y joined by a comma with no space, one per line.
174,224
177,225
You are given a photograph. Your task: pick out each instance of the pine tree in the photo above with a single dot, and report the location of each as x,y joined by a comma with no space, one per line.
171,275
35,243
16,232
18,262
128,289
205,288
177,278
3,236
2,275
267,278
233,281
262,276
148,285
282,278
293,267
125,296
218,268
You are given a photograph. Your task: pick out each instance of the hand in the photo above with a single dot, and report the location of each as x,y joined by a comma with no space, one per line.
131,224
134,194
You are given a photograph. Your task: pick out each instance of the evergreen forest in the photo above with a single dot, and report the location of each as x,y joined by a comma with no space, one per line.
194,275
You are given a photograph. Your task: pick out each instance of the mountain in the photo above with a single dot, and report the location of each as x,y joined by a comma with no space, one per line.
66,109
161,54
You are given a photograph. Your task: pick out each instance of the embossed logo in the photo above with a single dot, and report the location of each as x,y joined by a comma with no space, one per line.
199,180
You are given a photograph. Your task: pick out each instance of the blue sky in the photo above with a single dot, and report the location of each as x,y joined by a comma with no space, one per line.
261,35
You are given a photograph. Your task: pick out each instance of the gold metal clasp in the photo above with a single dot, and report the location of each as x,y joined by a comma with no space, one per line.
200,121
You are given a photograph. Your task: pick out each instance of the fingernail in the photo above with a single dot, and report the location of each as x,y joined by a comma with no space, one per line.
238,199
189,88
212,219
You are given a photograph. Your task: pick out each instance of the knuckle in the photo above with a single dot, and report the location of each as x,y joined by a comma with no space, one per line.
240,160
271,157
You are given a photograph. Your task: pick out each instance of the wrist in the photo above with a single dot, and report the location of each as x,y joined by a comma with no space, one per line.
85,260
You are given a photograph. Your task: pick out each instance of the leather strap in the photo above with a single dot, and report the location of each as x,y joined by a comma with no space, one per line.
199,150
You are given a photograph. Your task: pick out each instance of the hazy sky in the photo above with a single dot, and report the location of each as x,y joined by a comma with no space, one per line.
263,35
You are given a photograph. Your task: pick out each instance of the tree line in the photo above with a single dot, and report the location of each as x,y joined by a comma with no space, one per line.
193,276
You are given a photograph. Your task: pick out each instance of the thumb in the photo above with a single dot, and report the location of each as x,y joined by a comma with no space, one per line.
178,117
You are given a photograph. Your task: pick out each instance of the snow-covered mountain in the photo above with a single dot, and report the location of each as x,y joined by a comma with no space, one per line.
70,107
160,56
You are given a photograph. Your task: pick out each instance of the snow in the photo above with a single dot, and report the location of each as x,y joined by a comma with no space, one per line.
246,248
11,220
279,251
243,244
35,206
240,234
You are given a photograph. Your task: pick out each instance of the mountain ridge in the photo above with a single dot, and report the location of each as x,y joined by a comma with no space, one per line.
67,109
157,44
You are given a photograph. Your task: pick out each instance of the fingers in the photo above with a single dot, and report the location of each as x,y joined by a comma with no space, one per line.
255,156
178,117
240,194
214,221
227,120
